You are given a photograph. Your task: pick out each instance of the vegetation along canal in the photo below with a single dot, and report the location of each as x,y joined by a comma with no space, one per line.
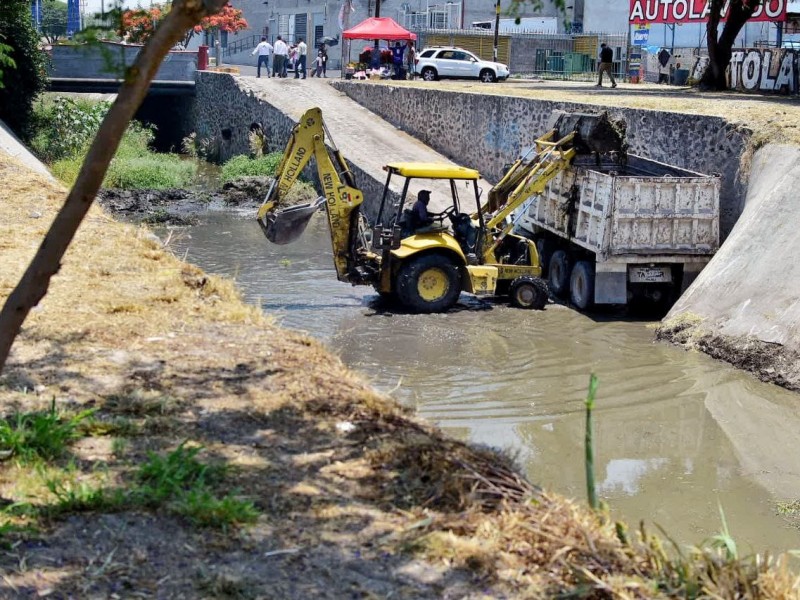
678,435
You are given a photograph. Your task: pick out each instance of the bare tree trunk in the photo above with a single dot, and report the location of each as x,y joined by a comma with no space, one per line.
720,47
34,283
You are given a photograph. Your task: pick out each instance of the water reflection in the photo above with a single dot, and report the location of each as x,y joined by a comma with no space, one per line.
676,433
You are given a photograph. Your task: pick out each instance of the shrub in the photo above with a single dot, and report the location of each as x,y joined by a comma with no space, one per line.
241,165
156,172
24,82
65,126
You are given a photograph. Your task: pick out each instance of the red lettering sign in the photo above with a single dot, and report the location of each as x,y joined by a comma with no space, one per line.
697,11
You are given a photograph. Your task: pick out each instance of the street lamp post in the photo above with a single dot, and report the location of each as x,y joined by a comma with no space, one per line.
496,29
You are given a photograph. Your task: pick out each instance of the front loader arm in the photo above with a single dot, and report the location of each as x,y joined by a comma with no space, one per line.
339,195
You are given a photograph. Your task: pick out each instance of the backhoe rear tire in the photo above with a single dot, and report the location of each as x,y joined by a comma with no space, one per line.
558,273
529,292
428,283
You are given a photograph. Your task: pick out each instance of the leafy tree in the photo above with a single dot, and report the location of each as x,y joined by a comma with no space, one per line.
138,24
54,20
5,59
34,283
23,83
720,47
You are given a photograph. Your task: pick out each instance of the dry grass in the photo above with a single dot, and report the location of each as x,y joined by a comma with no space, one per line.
168,354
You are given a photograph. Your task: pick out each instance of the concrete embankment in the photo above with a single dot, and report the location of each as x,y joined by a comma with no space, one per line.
745,306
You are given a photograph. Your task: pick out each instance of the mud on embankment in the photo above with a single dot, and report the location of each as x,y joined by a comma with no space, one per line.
744,307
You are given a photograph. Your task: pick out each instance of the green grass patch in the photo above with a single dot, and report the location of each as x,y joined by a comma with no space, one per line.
39,435
243,166
176,482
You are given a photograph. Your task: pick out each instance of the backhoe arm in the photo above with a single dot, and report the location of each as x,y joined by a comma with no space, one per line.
340,196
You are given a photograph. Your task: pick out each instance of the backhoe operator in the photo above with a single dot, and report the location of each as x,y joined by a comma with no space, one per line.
420,218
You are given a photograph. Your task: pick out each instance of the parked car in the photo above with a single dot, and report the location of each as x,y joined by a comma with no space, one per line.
449,62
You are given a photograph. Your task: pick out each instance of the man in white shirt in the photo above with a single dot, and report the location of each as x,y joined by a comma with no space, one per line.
278,62
264,49
302,53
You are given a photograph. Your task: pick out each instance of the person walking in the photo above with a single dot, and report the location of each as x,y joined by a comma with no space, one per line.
606,65
302,54
264,49
280,51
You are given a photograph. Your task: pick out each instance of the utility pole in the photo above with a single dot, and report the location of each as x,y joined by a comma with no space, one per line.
376,53
496,29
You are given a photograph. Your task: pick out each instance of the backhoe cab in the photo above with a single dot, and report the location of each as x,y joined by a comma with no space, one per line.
470,248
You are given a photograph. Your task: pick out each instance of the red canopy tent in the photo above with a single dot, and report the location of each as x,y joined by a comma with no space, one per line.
379,28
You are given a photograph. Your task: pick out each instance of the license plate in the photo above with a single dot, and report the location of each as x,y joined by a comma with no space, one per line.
650,274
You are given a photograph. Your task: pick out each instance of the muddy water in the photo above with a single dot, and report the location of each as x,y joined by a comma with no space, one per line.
677,434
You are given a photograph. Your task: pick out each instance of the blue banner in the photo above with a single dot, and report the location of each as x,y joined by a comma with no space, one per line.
73,17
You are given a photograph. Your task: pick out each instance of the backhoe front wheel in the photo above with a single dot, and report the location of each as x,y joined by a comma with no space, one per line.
429,283
528,292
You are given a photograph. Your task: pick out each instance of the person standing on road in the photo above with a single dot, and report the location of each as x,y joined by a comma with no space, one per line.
606,65
411,55
324,49
264,49
397,59
281,50
317,65
302,54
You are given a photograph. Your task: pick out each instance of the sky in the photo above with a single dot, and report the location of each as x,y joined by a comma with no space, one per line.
93,6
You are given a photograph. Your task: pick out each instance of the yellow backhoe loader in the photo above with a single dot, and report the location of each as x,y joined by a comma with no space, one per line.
467,249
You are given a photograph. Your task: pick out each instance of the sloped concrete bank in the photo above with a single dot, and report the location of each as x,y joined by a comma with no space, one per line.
486,132
745,306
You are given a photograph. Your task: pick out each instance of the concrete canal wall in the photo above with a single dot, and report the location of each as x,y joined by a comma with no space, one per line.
486,132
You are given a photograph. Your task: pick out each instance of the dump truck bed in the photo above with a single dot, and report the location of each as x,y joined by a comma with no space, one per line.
641,208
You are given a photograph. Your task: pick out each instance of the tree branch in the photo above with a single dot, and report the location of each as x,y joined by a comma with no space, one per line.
35,282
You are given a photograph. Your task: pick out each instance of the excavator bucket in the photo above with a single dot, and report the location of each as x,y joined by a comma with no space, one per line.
286,225
595,133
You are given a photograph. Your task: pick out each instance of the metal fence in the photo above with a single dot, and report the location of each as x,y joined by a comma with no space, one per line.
545,55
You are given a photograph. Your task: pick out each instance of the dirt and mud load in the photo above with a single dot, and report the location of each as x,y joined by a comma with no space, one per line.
422,260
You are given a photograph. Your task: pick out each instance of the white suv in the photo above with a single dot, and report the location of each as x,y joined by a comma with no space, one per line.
440,62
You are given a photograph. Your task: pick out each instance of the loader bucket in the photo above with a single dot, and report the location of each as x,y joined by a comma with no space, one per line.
286,225
596,133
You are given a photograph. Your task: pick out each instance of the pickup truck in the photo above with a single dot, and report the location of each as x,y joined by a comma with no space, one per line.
611,233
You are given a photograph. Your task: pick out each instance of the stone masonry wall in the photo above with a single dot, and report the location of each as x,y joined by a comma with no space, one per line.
486,132
225,109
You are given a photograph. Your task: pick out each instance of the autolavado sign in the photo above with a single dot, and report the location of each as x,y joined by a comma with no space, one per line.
697,11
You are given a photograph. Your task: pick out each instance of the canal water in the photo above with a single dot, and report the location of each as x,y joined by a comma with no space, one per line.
677,435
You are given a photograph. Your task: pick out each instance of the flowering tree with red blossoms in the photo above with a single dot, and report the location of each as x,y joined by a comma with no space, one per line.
139,24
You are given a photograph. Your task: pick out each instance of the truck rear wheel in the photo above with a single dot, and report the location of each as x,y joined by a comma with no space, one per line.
428,283
528,292
581,285
558,273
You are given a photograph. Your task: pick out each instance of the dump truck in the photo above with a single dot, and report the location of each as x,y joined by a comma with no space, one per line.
620,229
